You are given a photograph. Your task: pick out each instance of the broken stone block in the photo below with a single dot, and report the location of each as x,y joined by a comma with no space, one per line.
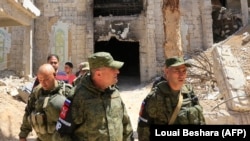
25,91
245,38
230,79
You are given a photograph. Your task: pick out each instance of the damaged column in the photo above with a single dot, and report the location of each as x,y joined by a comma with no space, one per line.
230,79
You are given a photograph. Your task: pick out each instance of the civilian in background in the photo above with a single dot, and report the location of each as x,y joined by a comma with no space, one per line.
68,68
53,59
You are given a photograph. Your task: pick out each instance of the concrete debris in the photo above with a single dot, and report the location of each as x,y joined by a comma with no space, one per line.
248,77
212,96
231,79
24,91
2,83
13,85
225,23
245,38
13,91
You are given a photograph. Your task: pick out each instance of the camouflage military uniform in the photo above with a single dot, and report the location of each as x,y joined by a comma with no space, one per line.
42,111
99,115
158,80
158,106
78,79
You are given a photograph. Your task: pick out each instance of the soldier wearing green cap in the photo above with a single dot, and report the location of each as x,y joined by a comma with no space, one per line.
98,112
170,101
82,73
169,62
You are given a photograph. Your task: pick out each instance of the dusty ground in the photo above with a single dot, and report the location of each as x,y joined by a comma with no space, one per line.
11,109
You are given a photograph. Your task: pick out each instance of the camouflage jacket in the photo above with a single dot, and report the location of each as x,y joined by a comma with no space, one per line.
99,115
78,79
158,80
158,106
42,111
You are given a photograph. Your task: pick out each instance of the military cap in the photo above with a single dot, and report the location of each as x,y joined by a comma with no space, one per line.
81,64
176,61
85,65
103,59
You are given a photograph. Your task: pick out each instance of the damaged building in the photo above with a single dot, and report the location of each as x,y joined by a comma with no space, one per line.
141,33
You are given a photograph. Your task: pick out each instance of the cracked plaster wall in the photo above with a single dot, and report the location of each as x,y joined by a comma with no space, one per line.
146,28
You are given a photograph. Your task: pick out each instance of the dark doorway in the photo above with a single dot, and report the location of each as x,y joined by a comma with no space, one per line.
127,52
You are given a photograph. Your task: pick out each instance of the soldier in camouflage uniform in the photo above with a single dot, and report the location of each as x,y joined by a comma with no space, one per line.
98,111
82,73
159,105
44,104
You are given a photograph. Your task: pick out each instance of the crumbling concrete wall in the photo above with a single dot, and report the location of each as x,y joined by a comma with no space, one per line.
69,29
17,35
192,31
188,26
5,45
146,28
171,13
230,79
64,28
16,50
196,25
76,22
159,36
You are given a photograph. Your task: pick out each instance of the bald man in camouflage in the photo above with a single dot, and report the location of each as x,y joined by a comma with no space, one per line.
44,104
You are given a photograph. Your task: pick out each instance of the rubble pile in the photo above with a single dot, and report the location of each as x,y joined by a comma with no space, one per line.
225,23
